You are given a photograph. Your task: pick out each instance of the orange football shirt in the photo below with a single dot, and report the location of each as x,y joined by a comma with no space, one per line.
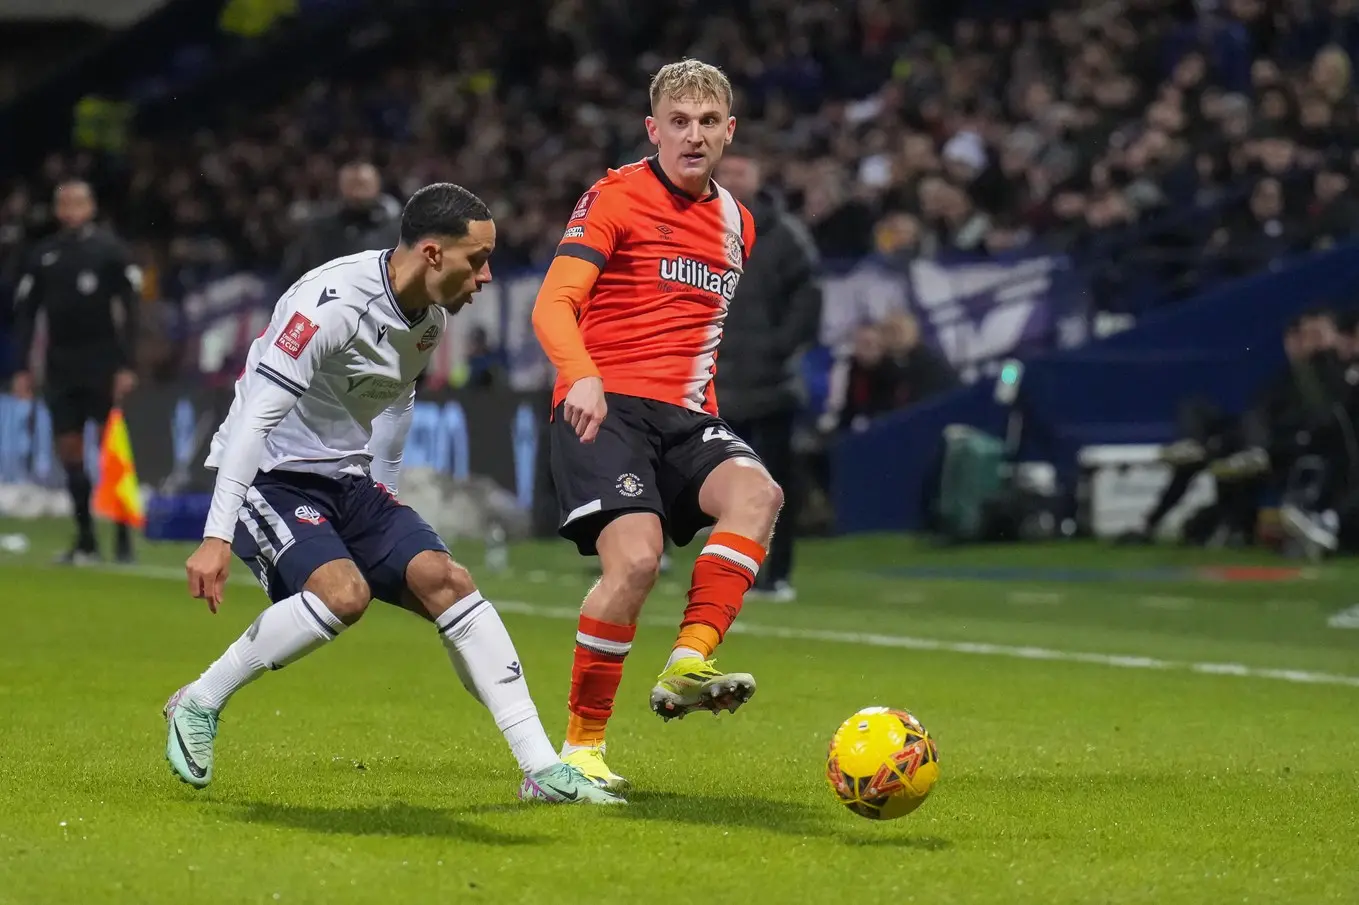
668,266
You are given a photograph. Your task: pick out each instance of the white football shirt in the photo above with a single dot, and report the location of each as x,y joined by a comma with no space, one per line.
328,387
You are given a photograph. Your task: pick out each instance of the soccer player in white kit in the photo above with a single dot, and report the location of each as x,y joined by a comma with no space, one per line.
307,462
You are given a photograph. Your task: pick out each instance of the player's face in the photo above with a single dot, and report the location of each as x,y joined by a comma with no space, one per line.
690,135
75,205
458,268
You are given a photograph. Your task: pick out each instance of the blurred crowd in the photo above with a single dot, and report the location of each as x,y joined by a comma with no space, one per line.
1164,143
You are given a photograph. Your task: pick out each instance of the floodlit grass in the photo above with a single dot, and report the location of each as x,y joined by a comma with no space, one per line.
366,773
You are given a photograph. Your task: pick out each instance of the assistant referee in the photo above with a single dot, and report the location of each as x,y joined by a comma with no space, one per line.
84,281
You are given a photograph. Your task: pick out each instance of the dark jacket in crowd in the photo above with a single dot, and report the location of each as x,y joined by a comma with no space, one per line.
341,231
774,316
1300,408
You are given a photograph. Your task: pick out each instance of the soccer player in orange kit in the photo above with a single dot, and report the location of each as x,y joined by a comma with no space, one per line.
631,314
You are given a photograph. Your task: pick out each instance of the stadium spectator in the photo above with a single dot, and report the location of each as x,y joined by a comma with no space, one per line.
924,370
772,320
865,384
365,218
1130,136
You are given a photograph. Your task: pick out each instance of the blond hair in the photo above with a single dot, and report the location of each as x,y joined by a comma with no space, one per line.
690,80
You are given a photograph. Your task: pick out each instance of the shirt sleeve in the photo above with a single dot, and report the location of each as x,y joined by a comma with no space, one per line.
556,314
596,227
265,405
388,442
27,303
300,339
295,346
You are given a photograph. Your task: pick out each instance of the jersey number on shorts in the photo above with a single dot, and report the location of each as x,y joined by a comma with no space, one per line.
717,433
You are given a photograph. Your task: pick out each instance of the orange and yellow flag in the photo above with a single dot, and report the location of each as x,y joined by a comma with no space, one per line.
118,496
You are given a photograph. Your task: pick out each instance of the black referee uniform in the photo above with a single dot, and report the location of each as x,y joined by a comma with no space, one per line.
75,278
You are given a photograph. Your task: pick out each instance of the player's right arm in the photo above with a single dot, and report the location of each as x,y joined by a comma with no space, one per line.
293,349
592,235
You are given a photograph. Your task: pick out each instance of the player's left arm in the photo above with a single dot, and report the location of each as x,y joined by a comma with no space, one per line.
388,441
293,352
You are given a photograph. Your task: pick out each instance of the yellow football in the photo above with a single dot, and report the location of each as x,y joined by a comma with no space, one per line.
882,763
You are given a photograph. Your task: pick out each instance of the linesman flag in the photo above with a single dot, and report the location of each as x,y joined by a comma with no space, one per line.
118,496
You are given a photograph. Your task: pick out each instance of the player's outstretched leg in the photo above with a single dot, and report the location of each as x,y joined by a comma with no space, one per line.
335,597
745,501
629,548
485,659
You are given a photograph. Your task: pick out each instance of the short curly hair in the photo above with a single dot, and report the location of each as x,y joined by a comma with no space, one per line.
690,80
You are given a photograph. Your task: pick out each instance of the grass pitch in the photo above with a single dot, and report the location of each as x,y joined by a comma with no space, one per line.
1114,726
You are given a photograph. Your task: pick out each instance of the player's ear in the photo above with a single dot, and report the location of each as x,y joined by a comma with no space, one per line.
651,132
731,128
432,252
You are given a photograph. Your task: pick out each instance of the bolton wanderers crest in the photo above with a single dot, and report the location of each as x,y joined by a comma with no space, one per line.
430,338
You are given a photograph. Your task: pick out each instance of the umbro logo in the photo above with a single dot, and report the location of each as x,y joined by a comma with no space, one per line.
327,295
664,231
516,673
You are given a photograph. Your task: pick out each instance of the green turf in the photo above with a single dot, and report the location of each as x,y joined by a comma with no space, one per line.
366,774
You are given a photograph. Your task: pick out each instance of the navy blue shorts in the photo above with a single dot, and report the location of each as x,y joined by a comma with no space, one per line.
292,523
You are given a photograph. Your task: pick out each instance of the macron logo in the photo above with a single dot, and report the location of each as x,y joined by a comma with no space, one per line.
327,295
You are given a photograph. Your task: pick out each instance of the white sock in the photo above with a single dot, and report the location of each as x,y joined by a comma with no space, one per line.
682,653
488,665
286,631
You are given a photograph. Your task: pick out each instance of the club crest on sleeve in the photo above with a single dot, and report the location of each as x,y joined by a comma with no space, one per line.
584,204
735,249
430,337
309,515
296,335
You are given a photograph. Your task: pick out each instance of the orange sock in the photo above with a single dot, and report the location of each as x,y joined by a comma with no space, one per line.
699,637
725,570
598,668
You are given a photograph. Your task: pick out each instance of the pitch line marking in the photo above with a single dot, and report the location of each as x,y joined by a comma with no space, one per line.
901,642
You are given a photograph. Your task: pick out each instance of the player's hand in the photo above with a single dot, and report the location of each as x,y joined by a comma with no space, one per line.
124,382
207,569
21,386
585,408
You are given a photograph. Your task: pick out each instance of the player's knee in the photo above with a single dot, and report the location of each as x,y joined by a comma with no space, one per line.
346,594
453,580
438,581
763,496
635,567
